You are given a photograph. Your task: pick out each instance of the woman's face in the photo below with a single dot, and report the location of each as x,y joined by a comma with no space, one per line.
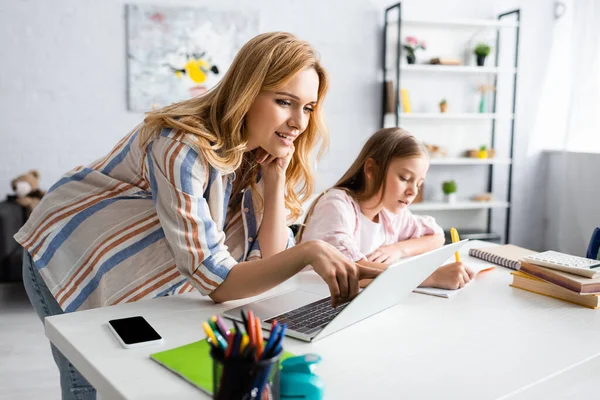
278,117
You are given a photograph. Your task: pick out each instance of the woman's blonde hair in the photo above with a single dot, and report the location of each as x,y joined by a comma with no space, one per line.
383,147
266,62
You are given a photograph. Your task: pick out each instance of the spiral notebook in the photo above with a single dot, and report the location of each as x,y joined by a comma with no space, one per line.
506,256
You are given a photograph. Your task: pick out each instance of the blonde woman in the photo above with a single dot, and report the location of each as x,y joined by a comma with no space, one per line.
195,198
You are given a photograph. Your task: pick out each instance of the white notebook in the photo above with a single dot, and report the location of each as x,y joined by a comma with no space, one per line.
476,266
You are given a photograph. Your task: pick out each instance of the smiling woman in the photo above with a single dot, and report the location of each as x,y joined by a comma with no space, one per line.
194,198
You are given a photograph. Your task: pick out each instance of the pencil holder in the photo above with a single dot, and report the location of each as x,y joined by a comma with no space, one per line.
241,379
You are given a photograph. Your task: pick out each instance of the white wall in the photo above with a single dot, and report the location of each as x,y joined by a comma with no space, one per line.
63,81
63,77
573,205
529,174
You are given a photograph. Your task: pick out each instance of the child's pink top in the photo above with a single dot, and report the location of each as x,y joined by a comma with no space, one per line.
335,219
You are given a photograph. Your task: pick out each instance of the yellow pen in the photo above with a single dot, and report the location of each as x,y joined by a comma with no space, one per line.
245,341
455,238
210,333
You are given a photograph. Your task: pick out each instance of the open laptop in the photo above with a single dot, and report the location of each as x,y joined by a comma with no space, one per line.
309,316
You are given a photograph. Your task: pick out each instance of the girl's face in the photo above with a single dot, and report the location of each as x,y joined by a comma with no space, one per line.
403,181
278,117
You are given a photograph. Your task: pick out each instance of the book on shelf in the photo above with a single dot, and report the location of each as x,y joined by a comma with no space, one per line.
575,283
533,284
506,256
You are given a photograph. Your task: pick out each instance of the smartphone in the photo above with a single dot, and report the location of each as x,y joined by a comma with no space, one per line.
134,332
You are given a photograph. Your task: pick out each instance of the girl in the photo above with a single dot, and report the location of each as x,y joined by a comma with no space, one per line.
195,198
365,214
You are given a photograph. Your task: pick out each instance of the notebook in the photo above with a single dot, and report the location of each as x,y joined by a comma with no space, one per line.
506,256
476,267
533,284
193,363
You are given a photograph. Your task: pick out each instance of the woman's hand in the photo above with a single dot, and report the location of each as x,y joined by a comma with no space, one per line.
387,254
450,276
273,167
341,274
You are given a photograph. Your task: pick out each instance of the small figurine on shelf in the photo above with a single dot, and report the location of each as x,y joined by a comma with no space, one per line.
484,89
443,106
483,153
449,189
411,45
436,151
483,197
482,50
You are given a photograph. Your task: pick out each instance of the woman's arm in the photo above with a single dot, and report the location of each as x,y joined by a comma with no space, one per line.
253,277
273,235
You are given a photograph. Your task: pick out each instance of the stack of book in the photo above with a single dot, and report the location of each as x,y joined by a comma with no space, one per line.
579,285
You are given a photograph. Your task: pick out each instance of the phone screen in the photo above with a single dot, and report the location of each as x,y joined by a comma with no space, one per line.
134,330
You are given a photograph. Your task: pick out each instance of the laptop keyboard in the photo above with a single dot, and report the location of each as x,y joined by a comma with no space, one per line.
311,317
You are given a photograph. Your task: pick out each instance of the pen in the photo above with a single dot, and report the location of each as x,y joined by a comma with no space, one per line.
221,325
245,341
250,328
259,337
455,238
210,333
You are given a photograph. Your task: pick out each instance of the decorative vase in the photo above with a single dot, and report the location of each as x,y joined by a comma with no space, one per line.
480,60
410,58
450,197
482,103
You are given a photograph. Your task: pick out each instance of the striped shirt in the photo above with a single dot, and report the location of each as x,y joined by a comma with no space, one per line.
142,222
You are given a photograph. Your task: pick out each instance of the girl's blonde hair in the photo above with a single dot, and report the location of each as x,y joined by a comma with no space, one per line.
266,62
383,147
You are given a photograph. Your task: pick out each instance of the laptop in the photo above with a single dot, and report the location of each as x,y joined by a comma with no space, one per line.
309,316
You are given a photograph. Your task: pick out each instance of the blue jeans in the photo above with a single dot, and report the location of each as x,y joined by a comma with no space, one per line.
73,384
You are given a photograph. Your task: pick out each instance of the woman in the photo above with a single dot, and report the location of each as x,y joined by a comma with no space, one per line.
193,198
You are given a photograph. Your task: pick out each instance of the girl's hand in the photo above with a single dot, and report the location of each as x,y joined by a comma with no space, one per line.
273,167
387,254
450,276
341,274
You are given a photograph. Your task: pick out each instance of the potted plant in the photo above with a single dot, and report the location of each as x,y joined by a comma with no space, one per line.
482,50
443,106
449,189
411,45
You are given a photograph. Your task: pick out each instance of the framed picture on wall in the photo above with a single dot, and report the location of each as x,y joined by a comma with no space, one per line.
175,53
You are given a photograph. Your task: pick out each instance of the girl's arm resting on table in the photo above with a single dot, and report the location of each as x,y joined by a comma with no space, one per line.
406,248
253,277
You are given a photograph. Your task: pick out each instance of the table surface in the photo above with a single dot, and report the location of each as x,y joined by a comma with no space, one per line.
490,341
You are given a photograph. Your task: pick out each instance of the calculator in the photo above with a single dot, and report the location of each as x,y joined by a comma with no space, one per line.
565,262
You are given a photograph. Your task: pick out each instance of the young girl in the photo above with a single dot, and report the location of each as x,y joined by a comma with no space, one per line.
195,198
365,214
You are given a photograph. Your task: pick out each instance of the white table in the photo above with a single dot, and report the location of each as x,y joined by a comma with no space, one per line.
490,341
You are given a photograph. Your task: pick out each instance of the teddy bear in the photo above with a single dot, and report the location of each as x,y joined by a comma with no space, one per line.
27,191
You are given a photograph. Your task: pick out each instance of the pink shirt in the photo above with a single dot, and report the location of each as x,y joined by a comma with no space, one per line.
336,220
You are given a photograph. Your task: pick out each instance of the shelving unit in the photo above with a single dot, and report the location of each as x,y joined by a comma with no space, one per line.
458,69
458,205
392,34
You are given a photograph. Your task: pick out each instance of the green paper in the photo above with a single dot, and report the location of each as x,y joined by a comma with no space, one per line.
193,363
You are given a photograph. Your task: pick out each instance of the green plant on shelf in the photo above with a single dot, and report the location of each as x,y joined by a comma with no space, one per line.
449,187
